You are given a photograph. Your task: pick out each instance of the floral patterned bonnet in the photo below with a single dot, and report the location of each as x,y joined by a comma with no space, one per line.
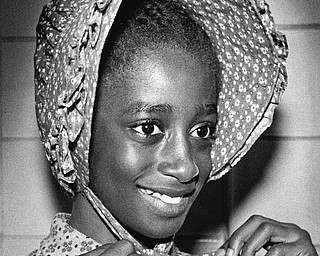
70,39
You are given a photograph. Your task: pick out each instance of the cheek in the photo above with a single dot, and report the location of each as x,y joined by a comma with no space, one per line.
114,171
127,161
203,161
132,157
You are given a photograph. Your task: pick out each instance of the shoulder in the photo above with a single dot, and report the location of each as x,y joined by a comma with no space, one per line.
64,240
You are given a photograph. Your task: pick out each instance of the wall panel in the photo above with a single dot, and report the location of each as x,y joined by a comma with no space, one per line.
19,18
18,109
298,113
295,12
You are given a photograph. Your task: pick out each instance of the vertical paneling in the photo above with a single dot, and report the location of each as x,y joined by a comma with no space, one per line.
28,193
299,111
19,18
295,12
1,150
18,109
29,189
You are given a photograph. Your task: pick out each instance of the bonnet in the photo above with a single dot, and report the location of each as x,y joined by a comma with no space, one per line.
70,39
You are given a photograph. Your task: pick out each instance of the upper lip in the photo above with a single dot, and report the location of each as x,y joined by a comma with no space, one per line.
174,191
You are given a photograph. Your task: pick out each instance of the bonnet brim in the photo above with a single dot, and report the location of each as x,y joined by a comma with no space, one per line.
70,39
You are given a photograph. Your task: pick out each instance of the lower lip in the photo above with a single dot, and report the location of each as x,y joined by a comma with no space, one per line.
166,209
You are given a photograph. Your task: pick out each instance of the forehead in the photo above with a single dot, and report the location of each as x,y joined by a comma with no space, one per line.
165,75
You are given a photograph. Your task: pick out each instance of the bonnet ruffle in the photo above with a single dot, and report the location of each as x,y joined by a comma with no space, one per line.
70,39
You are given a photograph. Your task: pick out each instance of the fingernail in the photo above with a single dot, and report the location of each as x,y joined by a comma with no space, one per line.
230,252
220,252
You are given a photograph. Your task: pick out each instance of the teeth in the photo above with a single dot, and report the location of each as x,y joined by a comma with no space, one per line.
171,200
148,191
163,198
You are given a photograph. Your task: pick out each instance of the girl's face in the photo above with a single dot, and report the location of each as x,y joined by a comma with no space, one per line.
150,150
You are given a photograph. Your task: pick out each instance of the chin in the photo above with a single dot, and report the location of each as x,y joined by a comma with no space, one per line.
167,230
157,232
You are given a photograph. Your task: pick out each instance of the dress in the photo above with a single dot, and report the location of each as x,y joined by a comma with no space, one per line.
64,240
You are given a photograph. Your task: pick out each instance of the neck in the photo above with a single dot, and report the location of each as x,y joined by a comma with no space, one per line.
85,219
147,242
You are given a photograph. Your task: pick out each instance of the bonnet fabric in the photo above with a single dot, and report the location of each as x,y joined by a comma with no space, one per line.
70,39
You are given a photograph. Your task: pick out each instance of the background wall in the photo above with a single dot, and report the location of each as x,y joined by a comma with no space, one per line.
279,177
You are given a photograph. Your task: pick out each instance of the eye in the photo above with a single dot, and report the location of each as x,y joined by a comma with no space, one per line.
147,129
203,131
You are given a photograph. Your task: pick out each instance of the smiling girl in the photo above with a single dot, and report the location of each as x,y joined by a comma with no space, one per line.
139,104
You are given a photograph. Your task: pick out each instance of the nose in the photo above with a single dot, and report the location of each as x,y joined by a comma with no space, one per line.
177,160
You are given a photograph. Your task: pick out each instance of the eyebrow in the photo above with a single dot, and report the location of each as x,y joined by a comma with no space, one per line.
207,109
137,107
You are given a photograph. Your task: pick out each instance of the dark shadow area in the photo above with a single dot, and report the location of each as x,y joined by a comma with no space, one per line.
62,202
206,221
249,173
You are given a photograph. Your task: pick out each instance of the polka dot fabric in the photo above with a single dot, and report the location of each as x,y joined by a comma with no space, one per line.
64,240
253,73
70,38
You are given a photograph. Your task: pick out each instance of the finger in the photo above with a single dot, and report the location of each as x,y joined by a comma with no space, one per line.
266,233
244,232
220,252
224,246
269,234
260,232
300,247
288,249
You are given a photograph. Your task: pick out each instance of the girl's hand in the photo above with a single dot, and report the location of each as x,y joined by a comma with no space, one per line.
121,248
276,237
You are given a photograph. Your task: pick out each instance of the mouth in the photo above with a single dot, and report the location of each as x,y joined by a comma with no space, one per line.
163,197
168,202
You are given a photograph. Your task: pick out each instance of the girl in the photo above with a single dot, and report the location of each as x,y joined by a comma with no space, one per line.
140,103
